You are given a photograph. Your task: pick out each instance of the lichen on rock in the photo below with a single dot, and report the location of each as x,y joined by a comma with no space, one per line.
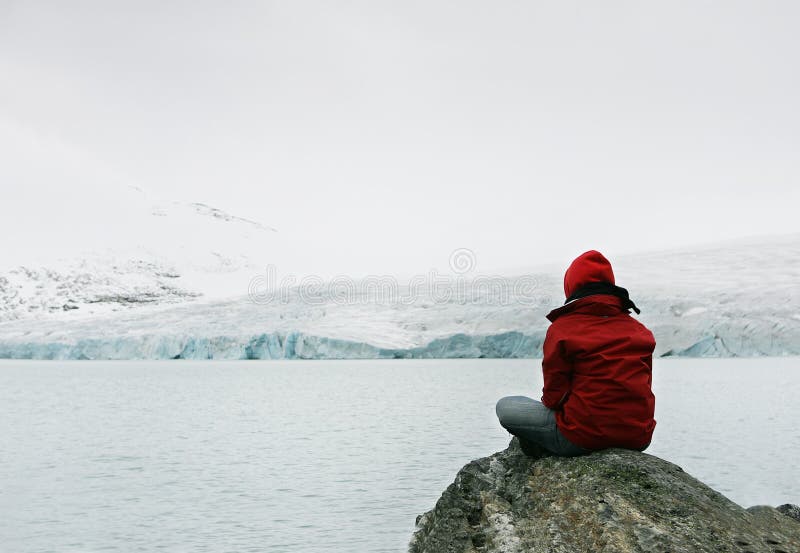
611,501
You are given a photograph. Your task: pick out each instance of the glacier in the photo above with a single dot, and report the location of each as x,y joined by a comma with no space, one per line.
272,346
734,299
739,299
728,339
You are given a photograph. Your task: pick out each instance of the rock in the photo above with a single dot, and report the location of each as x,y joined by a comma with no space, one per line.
610,501
790,510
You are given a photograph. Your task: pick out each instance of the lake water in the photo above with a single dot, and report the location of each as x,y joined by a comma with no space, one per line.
335,456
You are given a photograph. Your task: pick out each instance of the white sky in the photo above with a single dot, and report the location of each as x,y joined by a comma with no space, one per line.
380,136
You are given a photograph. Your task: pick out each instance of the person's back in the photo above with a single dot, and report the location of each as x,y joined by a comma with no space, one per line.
601,357
597,369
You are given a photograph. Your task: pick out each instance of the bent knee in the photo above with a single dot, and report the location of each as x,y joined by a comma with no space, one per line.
503,407
512,410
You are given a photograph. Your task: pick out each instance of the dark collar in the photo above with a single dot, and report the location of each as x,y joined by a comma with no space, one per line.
596,304
594,288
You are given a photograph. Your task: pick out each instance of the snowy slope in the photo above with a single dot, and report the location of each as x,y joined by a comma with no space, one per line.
733,299
136,251
81,241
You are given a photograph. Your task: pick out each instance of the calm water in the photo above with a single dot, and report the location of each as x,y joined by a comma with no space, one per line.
325,455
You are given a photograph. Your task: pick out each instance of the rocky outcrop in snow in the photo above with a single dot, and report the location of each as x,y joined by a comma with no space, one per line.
88,285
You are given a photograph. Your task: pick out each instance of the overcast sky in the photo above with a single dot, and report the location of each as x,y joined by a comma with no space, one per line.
380,136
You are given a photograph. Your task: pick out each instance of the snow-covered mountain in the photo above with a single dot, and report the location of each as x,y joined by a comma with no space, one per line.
136,251
81,241
739,298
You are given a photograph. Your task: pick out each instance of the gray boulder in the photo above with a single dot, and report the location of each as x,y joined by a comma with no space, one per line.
610,501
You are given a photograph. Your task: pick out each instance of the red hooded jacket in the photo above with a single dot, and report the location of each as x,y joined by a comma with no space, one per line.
597,365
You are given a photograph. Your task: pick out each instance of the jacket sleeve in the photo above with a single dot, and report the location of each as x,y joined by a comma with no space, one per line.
557,372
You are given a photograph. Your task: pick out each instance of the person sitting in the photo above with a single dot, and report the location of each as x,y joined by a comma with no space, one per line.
597,369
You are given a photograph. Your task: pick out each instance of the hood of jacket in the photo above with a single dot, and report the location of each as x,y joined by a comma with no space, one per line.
591,266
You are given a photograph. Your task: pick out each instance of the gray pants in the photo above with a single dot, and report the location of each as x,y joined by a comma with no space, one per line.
530,420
